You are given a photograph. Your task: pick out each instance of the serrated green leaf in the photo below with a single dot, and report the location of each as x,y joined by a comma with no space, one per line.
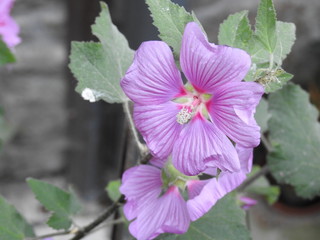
286,36
101,66
226,220
285,39
59,221
89,65
170,19
113,190
63,204
236,31
295,135
265,28
12,225
6,56
262,115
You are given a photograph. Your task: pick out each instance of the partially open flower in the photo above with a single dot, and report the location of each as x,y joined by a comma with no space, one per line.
165,200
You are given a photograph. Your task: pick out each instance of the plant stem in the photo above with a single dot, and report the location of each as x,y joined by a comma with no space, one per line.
87,229
266,143
264,170
132,127
51,235
270,61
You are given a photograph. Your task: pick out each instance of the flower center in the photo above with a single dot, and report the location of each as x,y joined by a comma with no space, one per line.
187,111
192,103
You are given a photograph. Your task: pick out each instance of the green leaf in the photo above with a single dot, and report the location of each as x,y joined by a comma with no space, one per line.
285,39
113,190
236,31
6,55
170,19
273,80
263,188
63,204
101,66
12,225
226,220
262,115
295,135
266,25
286,36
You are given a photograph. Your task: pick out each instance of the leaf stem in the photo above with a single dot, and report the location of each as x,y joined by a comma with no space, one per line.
87,229
271,59
134,132
263,171
266,143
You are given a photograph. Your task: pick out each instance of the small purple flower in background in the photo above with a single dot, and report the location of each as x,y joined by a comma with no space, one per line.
247,203
9,29
155,202
194,122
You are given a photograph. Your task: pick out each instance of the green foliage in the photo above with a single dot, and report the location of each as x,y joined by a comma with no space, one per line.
266,25
113,190
226,220
263,188
63,204
100,66
273,80
6,55
286,36
262,115
295,135
236,31
12,225
170,19
268,46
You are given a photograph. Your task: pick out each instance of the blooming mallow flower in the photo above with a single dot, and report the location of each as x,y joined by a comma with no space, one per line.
198,122
9,29
165,200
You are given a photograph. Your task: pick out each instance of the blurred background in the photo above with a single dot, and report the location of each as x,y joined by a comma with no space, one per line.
57,136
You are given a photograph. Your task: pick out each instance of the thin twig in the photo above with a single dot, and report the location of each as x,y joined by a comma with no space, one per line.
117,221
86,230
132,127
264,170
51,235
266,143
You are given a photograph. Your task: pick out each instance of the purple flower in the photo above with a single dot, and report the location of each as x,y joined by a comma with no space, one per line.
247,202
155,202
196,121
9,29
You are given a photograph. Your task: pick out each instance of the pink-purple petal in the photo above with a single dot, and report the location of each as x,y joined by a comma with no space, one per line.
9,29
201,145
140,185
158,162
167,214
153,77
195,187
232,108
158,126
207,65
245,157
214,190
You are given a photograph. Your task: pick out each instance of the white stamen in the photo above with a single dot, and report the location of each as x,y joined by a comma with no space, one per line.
184,116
